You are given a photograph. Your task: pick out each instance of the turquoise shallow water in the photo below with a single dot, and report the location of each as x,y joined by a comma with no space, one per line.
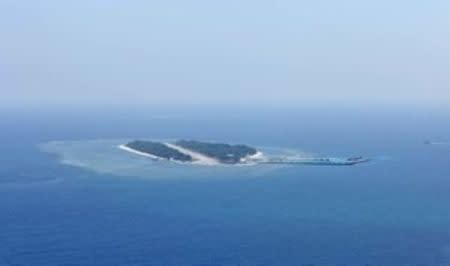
391,211
105,156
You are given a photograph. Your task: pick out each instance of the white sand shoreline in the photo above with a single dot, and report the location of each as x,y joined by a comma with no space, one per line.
128,149
198,158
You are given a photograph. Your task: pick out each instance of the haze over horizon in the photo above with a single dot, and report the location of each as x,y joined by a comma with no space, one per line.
341,53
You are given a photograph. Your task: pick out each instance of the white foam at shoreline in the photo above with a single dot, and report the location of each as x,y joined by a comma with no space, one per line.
255,158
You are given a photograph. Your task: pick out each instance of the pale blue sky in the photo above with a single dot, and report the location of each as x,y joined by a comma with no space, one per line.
285,52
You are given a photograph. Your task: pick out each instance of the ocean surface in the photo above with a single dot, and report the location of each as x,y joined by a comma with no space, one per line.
83,205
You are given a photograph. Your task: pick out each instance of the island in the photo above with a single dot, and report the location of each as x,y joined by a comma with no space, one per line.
211,153
193,151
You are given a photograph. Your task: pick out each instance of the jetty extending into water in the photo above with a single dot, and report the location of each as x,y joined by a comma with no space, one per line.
318,161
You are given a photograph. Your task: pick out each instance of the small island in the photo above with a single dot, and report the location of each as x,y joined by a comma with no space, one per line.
210,153
193,151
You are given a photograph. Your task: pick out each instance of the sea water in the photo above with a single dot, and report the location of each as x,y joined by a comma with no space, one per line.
85,205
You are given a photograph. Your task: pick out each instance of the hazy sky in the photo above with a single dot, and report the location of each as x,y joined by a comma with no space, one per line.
284,52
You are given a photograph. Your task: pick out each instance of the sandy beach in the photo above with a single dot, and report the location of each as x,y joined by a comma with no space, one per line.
198,158
128,149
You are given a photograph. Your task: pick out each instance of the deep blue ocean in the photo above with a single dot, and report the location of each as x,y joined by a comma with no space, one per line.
391,211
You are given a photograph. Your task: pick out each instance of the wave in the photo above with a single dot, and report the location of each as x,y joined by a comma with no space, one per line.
438,143
28,183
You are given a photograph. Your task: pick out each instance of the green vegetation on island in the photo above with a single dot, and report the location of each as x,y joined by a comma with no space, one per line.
158,149
224,153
